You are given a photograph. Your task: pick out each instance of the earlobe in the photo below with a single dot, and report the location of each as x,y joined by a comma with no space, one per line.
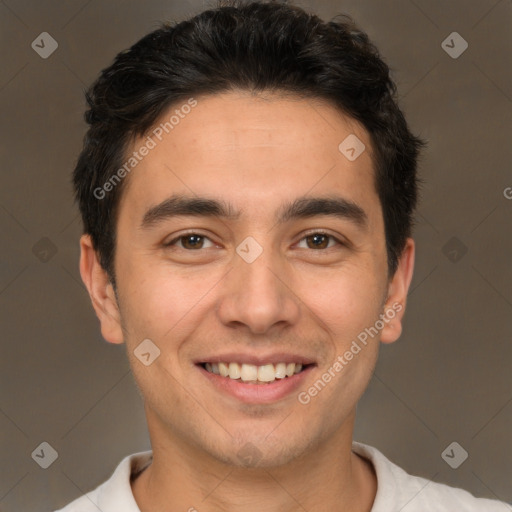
100,291
398,289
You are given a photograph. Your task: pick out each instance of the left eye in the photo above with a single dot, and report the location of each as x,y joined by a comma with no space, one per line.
320,240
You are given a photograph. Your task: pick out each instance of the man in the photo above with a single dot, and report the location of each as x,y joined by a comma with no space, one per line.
247,186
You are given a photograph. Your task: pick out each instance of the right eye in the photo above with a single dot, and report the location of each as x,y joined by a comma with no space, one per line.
189,241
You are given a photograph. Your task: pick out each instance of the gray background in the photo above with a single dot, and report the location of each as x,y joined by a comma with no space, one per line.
447,379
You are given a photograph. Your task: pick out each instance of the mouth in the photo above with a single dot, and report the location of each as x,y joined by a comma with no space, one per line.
258,381
253,374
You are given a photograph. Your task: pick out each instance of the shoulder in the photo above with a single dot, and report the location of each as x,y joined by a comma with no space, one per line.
114,494
86,503
398,490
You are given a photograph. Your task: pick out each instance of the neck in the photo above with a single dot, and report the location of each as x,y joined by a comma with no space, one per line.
328,477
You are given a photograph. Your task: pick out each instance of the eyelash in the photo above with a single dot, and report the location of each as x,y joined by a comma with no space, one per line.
306,235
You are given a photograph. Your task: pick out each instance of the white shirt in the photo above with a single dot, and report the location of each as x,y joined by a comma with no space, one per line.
396,490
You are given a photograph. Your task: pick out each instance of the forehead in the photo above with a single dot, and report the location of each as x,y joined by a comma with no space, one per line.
229,123
247,148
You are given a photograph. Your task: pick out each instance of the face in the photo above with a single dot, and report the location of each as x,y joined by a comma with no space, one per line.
281,259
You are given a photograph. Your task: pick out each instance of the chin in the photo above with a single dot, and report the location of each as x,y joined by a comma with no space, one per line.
258,451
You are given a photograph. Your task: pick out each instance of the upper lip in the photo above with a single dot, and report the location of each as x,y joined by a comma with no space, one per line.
257,360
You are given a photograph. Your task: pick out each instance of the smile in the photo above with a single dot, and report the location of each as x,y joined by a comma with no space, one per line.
252,374
256,378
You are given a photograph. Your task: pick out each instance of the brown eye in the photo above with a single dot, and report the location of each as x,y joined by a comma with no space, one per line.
190,242
319,240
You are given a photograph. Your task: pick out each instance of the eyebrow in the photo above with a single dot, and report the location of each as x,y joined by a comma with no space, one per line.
300,208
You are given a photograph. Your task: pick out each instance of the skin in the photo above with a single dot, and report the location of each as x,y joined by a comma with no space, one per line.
257,153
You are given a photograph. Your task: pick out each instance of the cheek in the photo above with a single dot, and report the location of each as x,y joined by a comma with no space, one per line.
165,303
348,301
148,298
349,307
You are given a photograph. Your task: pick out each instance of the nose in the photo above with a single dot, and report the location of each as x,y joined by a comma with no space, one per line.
259,295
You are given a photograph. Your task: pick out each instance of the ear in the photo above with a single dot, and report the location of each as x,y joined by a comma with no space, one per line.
100,291
398,288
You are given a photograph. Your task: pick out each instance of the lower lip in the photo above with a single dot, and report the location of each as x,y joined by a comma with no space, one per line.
258,393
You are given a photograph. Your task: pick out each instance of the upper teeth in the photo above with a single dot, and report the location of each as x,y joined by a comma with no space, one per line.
251,372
